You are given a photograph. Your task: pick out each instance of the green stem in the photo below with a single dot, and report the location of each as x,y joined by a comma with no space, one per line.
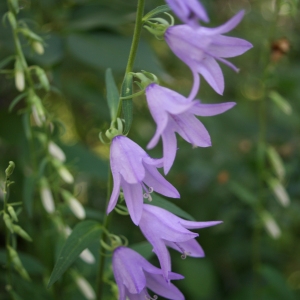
134,45
107,219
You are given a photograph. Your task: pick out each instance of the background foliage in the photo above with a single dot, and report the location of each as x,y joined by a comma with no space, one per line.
83,38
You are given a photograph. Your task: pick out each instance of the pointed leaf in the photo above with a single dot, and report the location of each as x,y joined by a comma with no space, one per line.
127,104
81,237
242,193
6,61
16,101
156,11
112,94
163,203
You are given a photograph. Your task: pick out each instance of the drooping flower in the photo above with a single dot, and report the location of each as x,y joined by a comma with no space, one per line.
162,228
172,113
134,274
202,47
188,11
135,171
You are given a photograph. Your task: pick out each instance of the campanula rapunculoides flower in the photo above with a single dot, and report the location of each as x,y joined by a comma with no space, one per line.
162,228
189,11
136,173
202,47
134,274
172,113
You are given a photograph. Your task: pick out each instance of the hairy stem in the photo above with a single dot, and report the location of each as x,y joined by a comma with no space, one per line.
107,219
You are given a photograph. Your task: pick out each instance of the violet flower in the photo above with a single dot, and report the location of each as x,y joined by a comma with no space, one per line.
161,228
134,274
188,11
172,113
201,48
134,171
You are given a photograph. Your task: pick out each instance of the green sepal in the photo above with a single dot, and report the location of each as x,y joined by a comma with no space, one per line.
81,237
156,11
127,105
112,94
22,233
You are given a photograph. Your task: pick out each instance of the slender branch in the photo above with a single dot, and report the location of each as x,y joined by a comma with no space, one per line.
107,219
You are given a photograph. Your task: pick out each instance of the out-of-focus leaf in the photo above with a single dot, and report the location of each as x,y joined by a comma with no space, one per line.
163,203
281,102
6,61
112,93
276,162
270,224
81,237
102,51
156,11
242,193
86,161
127,105
16,101
277,283
143,248
28,193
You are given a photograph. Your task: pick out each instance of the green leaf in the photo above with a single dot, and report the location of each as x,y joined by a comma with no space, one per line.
6,61
81,237
163,203
276,162
242,193
112,94
127,105
16,101
156,11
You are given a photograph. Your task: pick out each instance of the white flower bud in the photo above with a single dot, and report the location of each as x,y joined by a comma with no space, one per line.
36,117
38,47
47,198
56,151
85,288
271,225
20,81
87,256
65,175
77,208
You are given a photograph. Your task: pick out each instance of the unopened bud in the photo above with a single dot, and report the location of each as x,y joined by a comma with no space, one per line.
38,47
46,197
271,225
22,233
279,191
17,262
41,74
8,222
85,288
10,169
56,151
87,256
12,213
75,206
65,175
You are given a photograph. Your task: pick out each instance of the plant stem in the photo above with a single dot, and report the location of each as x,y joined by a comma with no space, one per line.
107,219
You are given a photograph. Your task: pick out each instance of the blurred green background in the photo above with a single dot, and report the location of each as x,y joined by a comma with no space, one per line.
83,38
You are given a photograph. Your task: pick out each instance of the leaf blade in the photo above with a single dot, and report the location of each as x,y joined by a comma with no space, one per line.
112,93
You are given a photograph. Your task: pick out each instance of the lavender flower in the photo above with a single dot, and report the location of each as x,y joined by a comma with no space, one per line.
134,274
134,170
174,113
161,228
188,11
201,48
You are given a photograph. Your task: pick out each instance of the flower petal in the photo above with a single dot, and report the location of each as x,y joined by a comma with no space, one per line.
207,110
169,148
212,73
228,26
160,185
133,194
115,193
190,248
158,285
195,225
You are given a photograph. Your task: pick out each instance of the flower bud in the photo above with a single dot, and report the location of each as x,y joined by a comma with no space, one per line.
10,169
19,76
46,196
65,175
271,225
12,213
41,74
75,206
56,151
17,262
38,47
8,222
22,233
85,288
